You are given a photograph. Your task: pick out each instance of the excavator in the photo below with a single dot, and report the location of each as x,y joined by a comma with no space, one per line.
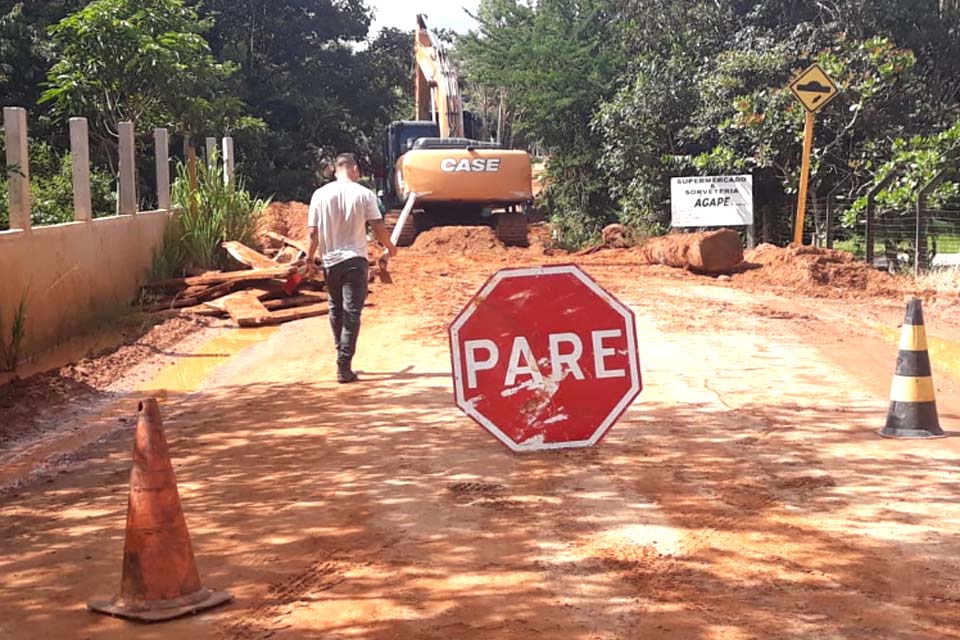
434,172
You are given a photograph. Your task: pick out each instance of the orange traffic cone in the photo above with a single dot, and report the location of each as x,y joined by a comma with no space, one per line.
160,579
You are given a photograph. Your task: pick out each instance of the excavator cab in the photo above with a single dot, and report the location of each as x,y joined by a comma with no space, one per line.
400,138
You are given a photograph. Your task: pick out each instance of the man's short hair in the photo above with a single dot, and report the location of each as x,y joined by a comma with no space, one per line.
347,160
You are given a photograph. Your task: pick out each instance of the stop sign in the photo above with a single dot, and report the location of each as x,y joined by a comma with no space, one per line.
545,358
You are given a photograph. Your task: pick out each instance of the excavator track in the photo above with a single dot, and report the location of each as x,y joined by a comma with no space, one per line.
511,229
409,232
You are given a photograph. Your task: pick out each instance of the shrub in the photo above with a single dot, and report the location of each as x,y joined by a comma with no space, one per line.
212,214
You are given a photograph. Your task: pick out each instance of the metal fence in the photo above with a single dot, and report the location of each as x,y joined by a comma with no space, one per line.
913,239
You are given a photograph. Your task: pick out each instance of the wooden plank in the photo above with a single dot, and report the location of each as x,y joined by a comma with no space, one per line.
246,311
296,244
317,296
190,297
221,278
215,291
293,301
298,313
287,255
199,310
245,255
170,303
192,292
245,294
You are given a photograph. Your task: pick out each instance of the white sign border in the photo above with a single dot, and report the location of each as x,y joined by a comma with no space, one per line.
740,223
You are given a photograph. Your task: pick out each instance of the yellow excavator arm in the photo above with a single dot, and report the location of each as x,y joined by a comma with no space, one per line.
437,87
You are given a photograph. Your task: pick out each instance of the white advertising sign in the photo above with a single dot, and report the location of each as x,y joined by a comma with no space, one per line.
712,201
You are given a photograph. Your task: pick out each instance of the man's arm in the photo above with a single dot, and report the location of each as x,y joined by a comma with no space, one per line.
312,251
383,236
375,220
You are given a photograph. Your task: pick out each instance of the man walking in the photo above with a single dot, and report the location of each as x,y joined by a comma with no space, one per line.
338,218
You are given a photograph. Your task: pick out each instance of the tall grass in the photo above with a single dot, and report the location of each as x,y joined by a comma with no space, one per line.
213,213
169,259
10,349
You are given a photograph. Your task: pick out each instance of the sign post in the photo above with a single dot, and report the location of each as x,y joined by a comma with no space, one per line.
814,89
544,358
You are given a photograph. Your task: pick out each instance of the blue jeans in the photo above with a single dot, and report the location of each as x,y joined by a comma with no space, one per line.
347,291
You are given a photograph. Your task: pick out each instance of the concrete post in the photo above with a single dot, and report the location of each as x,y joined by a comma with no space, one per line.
80,163
18,161
161,148
128,171
211,149
228,160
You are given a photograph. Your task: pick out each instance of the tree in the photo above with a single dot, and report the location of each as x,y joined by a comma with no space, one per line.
706,92
303,71
558,61
26,56
145,61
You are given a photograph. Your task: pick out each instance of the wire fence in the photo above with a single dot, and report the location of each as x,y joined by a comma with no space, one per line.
899,240
903,240
893,239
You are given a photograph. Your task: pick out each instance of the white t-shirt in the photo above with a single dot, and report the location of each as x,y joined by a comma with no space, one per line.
340,212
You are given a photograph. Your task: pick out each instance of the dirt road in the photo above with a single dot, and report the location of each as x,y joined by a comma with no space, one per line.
745,495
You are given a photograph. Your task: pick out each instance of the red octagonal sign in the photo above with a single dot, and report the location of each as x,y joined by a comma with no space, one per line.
545,358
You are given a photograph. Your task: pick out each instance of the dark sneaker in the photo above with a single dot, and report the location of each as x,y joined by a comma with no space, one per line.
345,374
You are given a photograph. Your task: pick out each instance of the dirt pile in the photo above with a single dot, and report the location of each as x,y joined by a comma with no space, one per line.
709,252
286,218
617,236
540,234
458,240
817,272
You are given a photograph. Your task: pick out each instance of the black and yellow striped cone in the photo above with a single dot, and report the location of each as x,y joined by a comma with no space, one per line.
913,407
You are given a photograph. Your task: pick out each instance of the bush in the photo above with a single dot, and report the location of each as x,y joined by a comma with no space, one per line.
213,214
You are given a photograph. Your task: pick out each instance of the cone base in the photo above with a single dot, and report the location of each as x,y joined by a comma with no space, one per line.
160,610
911,434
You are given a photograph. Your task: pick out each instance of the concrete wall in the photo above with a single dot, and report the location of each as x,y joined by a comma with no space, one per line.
74,273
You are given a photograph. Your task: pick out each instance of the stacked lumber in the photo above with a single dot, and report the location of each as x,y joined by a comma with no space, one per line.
265,292
288,250
262,293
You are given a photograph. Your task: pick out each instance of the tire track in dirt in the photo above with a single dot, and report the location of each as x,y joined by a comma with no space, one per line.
266,618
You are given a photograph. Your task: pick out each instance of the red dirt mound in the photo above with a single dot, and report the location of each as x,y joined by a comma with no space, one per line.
286,218
617,236
818,272
458,240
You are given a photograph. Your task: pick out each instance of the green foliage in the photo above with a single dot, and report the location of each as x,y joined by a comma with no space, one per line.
51,188
214,213
302,73
169,258
706,93
25,55
641,130
145,61
919,159
558,60
10,347
617,95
